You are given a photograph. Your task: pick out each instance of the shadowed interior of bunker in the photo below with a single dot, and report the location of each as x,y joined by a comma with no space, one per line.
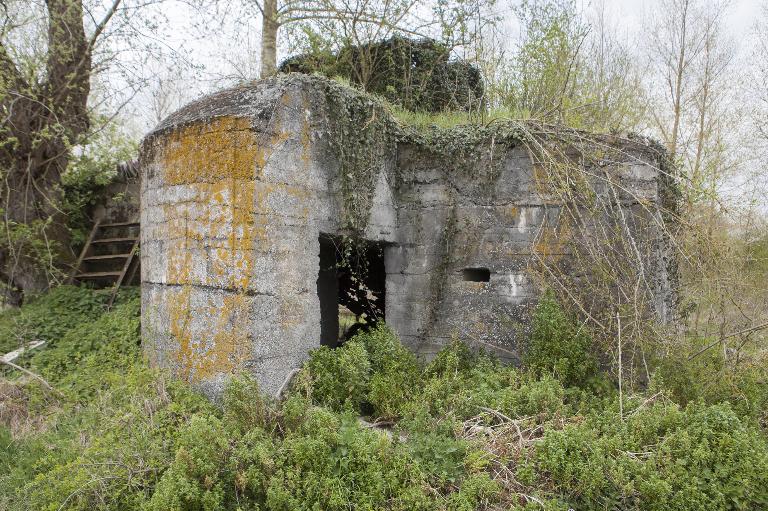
351,286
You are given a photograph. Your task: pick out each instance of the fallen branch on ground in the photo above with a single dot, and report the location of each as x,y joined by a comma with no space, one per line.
33,375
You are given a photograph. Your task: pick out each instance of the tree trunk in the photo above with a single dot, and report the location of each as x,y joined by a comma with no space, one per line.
41,121
678,87
269,27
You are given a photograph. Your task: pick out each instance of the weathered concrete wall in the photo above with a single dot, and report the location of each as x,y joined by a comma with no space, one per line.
501,217
236,190
119,201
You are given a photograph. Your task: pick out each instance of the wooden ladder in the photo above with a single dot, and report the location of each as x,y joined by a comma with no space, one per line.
108,256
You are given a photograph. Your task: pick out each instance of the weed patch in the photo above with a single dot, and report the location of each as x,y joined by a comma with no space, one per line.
461,433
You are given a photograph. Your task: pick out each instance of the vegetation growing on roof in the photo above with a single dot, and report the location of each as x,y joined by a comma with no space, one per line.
416,75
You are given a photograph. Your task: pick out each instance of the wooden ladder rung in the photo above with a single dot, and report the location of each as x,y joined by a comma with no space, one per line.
114,240
121,276
98,274
105,257
119,224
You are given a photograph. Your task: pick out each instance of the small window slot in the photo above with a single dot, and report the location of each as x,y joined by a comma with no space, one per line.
476,274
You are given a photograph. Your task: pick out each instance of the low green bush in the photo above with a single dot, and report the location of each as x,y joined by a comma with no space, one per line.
50,316
373,370
340,377
107,454
197,478
708,377
661,457
559,346
395,373
460,433
107,346
245,408
332,463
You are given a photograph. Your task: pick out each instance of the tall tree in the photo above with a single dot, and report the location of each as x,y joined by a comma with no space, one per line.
686,50
696,109
759,75
45,82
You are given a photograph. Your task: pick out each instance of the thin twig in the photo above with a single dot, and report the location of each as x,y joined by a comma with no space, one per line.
33,375
724,337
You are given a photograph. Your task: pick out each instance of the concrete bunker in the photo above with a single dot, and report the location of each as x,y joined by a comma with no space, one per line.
248,196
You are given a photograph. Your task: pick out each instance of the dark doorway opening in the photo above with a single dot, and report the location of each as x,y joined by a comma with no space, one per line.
351,286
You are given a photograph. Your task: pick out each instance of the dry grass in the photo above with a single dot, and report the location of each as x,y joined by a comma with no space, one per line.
21,410
508,443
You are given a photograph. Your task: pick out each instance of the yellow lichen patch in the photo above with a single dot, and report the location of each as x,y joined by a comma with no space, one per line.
224,147
553,241
179,312
266,191
512,213
215,167
474,287
178,269
219,162
230,268
305,133
220,346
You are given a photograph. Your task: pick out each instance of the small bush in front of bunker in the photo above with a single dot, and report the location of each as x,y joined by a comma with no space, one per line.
372,370
559,346
340,377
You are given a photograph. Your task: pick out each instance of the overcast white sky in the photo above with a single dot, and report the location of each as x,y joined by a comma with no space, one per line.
743,12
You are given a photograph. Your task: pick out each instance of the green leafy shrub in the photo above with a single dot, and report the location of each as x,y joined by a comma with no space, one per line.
459,382
245,407
531,397
216,459
476,491
332,463
708,378
455,358
108,345
196,478
340,377
661,458
435,448
107,454
50,316
414,74
88,174
395,374
558,346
